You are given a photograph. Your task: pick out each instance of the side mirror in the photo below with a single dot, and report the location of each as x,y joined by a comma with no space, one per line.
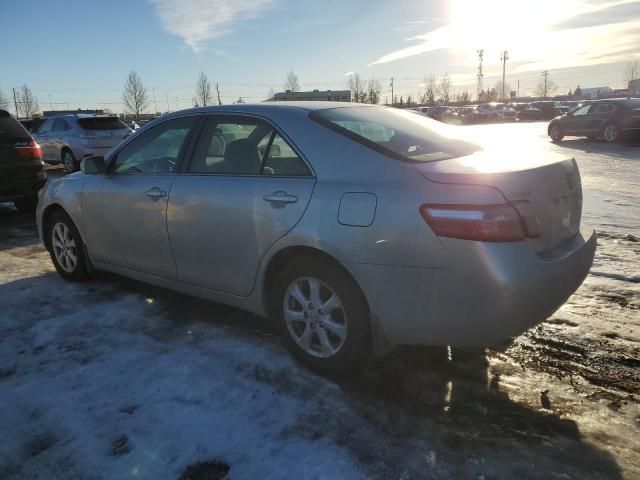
92,165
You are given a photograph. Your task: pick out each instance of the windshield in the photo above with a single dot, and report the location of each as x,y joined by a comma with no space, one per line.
101,123
396,133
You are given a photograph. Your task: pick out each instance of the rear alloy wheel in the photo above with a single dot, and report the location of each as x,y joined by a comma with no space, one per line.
555,133
322,316
66,250
610,133
26,205
69,161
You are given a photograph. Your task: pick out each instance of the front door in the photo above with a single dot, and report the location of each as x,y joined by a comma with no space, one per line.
124,212
244,189
577,122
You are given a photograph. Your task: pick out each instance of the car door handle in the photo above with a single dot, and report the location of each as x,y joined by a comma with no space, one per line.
280,197
155,193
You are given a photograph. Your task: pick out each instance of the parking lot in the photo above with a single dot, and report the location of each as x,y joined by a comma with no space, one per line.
117,379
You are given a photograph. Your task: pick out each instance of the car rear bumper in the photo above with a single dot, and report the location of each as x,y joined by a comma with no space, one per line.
499,291
12,188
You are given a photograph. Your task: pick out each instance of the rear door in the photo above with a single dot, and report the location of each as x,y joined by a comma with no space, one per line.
598,114
57,137
124,212
244,189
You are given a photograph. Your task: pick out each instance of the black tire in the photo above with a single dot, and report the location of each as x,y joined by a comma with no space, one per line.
353,354
26,205
555,133
79,271
611,133
69,161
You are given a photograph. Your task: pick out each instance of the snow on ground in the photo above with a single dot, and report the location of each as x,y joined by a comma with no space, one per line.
116,379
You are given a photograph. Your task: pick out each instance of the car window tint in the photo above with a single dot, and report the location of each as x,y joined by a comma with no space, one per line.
46,126
231,145
395,133
11,128
582,111
60,125
282,160
101,123
156,150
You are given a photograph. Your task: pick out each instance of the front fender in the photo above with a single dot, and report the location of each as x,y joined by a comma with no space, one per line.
66,193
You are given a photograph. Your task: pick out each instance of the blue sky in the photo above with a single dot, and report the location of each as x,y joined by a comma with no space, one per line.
80,52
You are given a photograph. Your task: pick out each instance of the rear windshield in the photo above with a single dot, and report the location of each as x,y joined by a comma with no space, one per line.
396,133
101,123
11,128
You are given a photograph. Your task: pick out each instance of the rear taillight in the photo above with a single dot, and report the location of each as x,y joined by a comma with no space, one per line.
29,150
485,223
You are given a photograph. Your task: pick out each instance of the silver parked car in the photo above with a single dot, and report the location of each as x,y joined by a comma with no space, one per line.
67,139
355,228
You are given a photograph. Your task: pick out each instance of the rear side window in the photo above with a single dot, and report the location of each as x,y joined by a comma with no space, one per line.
101,123
396,133
60,125
11,128
237,145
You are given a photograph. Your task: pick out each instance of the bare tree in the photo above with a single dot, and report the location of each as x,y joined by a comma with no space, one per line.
358,88
545,88
4,101
444,88
374,87
465,97
291,82
218,94
240,100
429,95
507,89
27,102
134,95
204,96
632,71
271,94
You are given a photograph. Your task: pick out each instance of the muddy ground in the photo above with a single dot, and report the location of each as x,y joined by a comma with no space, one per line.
116,379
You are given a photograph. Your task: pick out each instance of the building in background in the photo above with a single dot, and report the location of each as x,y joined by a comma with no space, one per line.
634,87
591,93
314,95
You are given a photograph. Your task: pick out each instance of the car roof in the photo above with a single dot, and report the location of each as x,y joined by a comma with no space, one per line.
266,107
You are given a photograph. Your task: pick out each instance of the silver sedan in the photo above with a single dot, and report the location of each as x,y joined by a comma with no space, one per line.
355,228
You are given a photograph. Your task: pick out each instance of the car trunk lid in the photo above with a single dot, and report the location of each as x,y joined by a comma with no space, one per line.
551,186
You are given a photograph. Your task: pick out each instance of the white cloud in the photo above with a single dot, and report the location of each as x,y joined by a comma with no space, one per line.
348,74
197,21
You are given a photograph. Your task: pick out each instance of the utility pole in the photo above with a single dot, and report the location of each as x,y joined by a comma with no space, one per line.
155,105
15,102
505,57
392,97
545,74
168,102
518,88
480,75
50,104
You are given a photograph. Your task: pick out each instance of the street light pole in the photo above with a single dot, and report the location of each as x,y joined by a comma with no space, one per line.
505,57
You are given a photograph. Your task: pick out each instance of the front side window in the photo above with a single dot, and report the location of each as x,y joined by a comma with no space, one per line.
155,151
244,146
582,111
46,126
396,133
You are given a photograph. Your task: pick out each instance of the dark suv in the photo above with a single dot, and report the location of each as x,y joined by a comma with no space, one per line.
22,172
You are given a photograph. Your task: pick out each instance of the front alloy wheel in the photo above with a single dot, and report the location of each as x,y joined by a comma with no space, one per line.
555,133
315,317
65,247
611,133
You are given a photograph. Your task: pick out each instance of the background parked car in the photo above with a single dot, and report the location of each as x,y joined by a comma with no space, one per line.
610,119
527,113
550,109
22,171
32,124
70,138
